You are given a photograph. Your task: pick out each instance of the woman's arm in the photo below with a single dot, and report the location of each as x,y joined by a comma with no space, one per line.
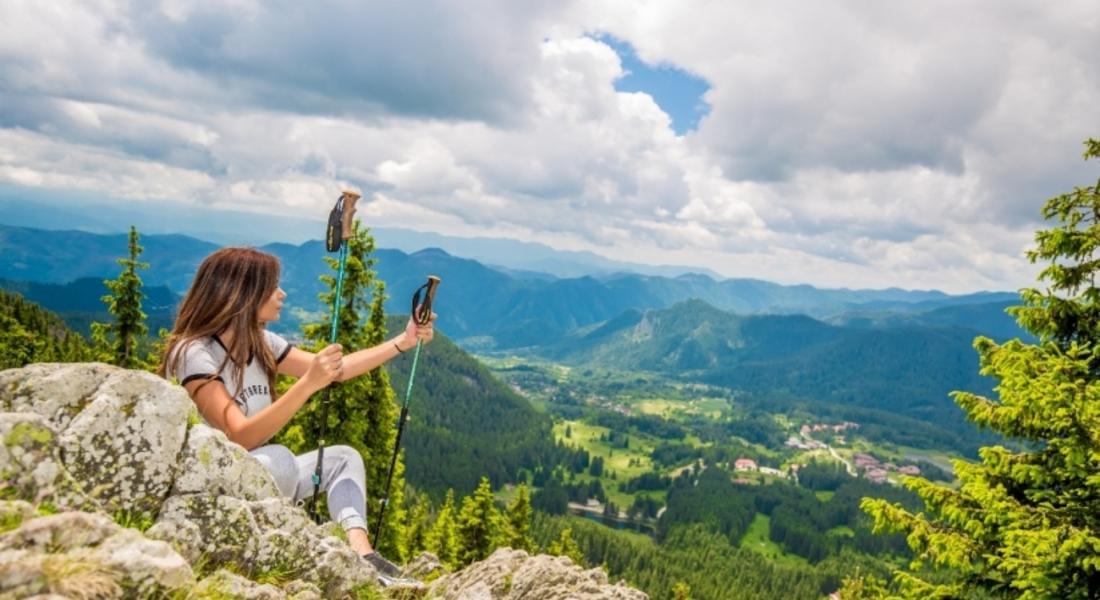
357,363
218,408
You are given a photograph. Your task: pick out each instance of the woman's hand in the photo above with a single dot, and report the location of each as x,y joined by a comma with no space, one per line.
326,366
415,331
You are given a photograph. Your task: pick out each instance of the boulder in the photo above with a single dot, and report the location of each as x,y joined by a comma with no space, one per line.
74,553
514,574
258,537
425,567
120,431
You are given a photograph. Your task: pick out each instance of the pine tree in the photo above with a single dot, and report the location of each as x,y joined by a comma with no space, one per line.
417,526
361,412
118,342
565,546
394,539
517,530
1024,522
478,524
443,540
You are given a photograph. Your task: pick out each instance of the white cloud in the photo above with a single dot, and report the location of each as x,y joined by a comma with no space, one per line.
848,143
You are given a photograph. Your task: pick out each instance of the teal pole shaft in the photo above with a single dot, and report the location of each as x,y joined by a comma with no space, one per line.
336,302
412,372
339,293
397,443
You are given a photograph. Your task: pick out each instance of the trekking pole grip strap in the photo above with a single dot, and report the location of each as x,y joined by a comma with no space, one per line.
422,312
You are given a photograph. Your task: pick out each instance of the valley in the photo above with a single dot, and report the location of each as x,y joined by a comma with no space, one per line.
646,435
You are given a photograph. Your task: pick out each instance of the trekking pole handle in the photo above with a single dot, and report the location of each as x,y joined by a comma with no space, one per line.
422,311
350,198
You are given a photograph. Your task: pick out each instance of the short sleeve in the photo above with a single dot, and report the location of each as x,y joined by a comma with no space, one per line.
197,363
279,346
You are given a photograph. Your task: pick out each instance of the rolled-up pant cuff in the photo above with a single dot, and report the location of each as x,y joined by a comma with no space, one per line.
349,519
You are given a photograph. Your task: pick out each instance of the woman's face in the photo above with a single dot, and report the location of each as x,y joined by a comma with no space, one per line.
270,310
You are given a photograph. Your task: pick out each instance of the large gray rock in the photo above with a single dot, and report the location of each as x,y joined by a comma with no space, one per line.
212,465
74,553
514,575
120,431
260,536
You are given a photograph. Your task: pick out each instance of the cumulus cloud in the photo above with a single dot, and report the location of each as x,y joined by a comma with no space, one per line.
847,143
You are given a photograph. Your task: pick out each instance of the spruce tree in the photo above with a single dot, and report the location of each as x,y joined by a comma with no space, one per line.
1025,521
443,540
17,345
565,546
118,342
417,525
361,413
517,532
478,524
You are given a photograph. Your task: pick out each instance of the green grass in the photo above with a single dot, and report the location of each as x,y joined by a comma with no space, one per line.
587,437
756,539
676,409
634,536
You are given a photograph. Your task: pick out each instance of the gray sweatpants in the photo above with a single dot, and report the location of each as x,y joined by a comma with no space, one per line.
343,478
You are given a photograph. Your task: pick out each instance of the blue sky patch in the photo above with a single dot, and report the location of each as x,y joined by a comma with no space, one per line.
678,92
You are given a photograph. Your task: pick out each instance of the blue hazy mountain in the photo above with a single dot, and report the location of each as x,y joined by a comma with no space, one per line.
475,301
75,211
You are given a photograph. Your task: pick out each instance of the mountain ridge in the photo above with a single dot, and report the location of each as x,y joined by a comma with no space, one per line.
476,301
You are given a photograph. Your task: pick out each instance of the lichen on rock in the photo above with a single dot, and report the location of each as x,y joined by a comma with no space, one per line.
513,574
48,554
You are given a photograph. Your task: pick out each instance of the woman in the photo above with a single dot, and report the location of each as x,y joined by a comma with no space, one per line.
227,361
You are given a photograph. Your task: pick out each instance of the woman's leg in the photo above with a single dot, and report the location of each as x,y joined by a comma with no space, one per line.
282,464
344,480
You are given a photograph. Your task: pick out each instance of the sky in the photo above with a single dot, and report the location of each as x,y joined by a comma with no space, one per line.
839,143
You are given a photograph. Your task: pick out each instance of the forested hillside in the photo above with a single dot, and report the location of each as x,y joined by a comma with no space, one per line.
779,360
78,302
30,333
464,423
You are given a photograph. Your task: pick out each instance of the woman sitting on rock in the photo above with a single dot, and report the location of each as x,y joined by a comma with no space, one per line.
222,354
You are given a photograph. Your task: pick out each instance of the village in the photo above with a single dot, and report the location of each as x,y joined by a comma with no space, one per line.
870,467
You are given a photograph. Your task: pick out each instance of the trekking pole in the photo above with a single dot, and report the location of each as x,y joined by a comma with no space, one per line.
339,230
422,314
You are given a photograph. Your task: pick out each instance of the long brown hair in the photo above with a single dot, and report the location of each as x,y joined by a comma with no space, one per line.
229,288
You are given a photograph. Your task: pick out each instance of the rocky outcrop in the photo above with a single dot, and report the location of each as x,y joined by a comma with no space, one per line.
513,575
120,432
64,552
91,440
88,448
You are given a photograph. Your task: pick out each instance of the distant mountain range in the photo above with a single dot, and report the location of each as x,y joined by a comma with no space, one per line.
476,303
77,212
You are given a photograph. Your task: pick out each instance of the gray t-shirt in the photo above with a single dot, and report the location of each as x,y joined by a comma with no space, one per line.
202,357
